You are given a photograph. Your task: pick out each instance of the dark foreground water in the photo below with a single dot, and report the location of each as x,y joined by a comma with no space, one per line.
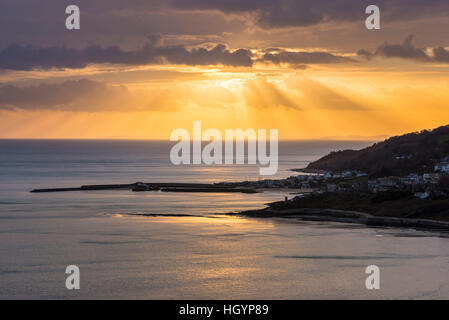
187,251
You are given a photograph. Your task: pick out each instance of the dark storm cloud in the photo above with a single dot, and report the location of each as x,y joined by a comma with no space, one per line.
16,57
106,22
192,22
103,21
277,13
25,58
284,13
406,50
201,56
295,58
39,29
441,55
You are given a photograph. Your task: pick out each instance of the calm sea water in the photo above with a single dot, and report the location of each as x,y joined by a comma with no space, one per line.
201,254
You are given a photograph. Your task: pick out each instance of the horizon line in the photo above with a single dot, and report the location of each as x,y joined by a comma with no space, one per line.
367,139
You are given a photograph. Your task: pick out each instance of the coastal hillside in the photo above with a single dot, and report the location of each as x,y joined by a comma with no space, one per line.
415,152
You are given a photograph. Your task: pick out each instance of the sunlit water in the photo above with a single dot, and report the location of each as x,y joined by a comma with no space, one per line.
185,250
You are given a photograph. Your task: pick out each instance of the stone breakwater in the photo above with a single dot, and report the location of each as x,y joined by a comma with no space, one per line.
151,186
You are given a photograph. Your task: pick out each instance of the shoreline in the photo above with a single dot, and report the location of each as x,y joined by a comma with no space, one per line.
344,216
307,209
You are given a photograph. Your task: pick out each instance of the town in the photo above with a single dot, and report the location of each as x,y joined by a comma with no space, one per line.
434,185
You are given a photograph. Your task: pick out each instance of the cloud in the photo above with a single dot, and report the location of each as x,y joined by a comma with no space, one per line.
406,50
288,13
298,58
105,22
82,96
201,56
16,57
110,22
268,13
441,55
25,58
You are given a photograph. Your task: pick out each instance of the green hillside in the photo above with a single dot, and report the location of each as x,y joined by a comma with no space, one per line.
399,156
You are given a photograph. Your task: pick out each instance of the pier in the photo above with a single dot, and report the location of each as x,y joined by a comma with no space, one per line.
153,186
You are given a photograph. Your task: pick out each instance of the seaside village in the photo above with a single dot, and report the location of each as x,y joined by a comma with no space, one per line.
421,185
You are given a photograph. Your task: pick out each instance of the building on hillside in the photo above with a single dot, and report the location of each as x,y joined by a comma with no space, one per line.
442,167
422,195
432,178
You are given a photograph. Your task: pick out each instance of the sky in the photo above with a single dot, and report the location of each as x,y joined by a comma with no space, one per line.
139,69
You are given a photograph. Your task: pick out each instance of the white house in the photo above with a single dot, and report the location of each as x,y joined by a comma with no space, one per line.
442,167
431,178
421,195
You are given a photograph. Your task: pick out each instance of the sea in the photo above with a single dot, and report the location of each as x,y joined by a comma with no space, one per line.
156,245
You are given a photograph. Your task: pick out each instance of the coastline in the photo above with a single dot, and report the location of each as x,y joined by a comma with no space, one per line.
345,216
359,208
